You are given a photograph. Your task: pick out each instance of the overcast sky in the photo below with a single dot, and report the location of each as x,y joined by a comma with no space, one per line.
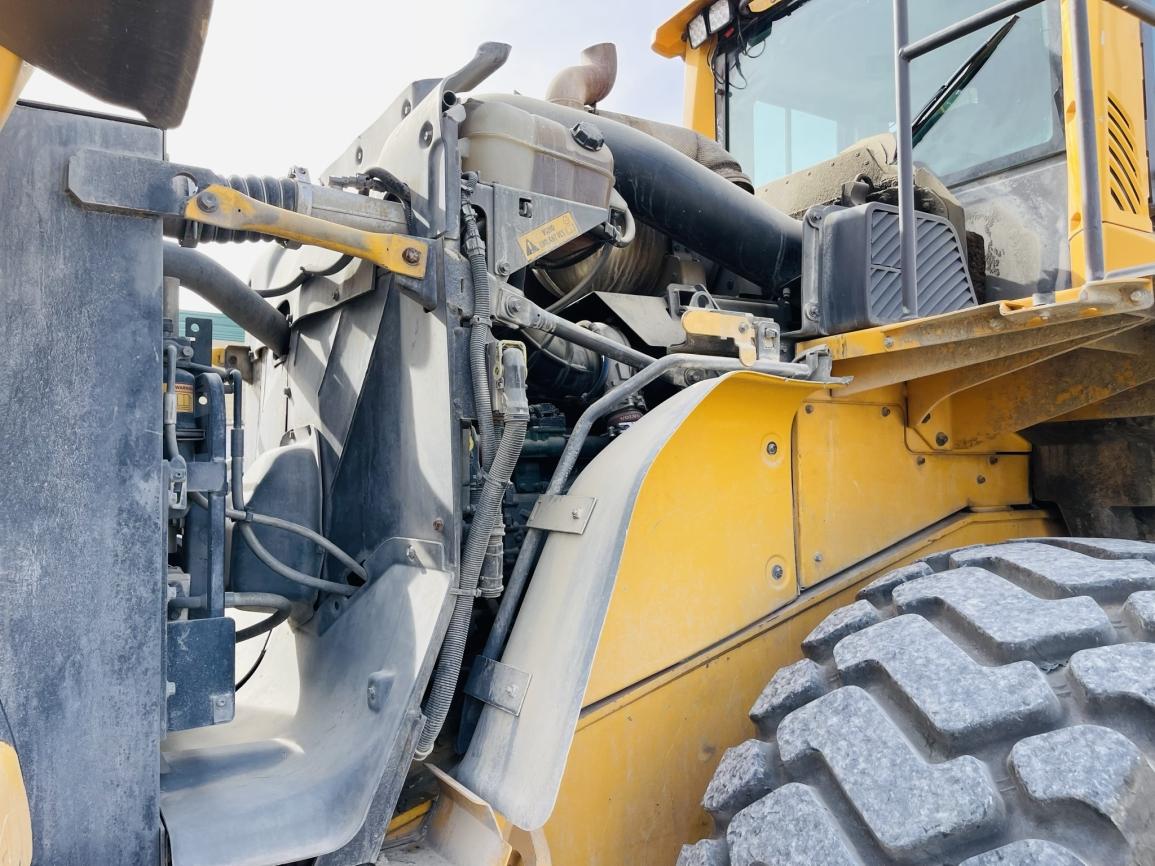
292,82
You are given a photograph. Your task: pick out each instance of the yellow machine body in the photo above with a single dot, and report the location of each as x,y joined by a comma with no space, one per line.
772,501
918,453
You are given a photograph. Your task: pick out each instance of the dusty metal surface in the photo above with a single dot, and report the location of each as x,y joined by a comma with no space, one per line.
80,497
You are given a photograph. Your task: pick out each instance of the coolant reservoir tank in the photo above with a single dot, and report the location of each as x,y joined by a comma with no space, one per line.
514,148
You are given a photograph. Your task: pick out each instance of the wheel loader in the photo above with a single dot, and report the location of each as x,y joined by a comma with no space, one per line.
773,489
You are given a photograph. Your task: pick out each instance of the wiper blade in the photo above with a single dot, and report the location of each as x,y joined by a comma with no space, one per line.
941,102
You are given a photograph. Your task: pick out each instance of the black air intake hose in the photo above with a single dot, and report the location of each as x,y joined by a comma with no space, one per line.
687,201
225,291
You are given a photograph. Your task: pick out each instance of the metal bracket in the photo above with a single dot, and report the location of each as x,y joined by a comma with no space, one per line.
562,513
498,685
755,338
524,226
224,207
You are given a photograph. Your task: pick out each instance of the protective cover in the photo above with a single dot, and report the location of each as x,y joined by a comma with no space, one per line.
139,54
852,270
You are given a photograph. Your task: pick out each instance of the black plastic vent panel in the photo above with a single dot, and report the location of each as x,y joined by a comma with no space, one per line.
852,274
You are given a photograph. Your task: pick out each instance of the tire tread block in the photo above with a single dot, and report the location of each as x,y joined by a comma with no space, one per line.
1026,852
1122,673
1008,621
963,702
790,827
909,806
1053,571
1088,764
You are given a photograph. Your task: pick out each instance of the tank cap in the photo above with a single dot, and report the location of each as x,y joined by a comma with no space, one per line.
588,135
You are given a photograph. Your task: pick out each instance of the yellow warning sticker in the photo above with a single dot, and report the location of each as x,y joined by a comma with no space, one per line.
549,237
184,396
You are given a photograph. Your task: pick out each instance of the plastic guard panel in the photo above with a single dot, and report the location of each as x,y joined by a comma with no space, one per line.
852,269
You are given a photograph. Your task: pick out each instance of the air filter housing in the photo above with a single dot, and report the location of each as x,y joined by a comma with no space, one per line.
852,270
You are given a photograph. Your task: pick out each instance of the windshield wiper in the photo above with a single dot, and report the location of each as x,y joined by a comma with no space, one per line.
941,102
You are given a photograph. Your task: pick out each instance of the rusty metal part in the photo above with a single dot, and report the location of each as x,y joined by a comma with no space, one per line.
223,207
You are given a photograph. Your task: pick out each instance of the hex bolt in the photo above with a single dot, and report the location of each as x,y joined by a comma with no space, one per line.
372,692
888,343
207,202
743,328
576,514
411,255
221,702
982,479
411,553
438,524
940,439
359,155
809,409
771,448
818,557
777,571
1136,297
510,691
920,460
885,411
992,460
503,269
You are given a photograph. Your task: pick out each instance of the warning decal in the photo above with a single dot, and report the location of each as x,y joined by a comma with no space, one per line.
543,239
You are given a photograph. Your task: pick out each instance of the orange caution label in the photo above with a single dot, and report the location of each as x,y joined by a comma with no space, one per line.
546,238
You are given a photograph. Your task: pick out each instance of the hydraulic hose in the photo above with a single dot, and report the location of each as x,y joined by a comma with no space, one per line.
246,519
288,572
480,334
485,517
305,532
200,274
534,538
278,604
171,446
687,201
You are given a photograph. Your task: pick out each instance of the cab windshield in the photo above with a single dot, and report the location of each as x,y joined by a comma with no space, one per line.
803,86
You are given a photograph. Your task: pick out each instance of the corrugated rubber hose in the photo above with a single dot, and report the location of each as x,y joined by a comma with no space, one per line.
485,517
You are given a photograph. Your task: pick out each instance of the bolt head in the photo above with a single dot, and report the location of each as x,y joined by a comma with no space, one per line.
503,269
438,524
982,479
771,448
576,514
777,571
411,553
940,439
411,255
818,557
221,702
885,411
888,342
1136,296
207,202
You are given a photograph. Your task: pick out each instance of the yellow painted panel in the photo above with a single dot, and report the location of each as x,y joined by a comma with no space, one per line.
1120,120
860,488
699,109
15,820
640,762
13,73
709,526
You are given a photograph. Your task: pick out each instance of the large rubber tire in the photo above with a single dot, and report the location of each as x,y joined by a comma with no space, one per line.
990,705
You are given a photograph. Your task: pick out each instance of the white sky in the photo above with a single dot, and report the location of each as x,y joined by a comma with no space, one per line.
292,82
